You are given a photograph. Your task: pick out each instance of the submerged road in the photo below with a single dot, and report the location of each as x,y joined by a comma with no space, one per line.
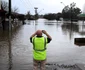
62,53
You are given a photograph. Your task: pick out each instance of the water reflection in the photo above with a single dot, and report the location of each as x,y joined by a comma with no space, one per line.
82,30
4,50
16,49
50,22
10,50
70,28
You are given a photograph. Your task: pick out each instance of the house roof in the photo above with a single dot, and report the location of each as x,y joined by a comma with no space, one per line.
81,15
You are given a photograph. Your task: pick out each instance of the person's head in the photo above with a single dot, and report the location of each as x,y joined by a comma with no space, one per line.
39,33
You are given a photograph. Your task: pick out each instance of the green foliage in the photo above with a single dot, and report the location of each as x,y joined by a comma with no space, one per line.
71,12
52,16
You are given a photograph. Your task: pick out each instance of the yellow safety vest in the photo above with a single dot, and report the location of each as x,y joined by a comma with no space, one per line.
39,48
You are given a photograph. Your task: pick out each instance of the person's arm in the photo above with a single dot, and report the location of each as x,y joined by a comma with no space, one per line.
33,35
47,34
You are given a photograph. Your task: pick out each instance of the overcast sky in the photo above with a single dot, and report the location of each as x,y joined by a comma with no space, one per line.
44,6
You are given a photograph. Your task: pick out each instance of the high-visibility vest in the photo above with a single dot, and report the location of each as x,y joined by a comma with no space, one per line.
39,44
39,48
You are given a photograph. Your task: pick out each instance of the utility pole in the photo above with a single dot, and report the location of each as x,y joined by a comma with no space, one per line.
10,30
0,4
10,25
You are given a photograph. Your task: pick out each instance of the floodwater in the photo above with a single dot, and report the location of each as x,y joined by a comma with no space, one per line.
16,49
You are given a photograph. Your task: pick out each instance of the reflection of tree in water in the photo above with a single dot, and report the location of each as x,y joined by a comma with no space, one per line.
66,27
82,32
70,28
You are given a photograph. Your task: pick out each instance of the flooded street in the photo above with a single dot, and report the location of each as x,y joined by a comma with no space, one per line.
16,53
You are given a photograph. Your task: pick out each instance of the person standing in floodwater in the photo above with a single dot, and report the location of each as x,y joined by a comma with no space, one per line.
39,48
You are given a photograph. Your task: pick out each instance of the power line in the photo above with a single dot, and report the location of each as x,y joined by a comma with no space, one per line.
24,4
30,3
21,3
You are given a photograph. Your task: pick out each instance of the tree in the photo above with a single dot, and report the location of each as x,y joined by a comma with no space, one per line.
4,5
28,15
58,16
50,16
15,10
71,12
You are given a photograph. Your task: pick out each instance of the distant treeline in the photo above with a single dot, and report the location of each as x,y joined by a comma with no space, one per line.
69,12
53,16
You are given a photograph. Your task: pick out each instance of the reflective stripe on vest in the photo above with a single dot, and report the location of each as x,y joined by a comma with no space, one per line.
41,45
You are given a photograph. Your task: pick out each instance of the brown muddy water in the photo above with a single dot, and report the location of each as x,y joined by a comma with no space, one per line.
16,49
